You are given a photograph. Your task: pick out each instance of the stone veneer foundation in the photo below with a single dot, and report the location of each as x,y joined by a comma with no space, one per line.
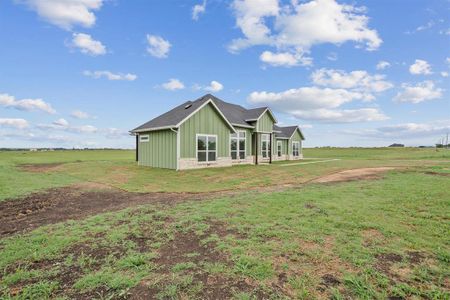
192,163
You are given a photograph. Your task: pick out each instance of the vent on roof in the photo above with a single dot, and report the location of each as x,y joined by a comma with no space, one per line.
188,105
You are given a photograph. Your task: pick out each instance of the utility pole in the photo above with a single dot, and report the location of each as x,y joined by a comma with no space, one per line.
446,143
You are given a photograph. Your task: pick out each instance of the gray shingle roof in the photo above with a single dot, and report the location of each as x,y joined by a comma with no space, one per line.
253,114
172,117
286,132
235,114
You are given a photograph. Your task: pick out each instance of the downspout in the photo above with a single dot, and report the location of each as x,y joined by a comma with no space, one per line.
137,147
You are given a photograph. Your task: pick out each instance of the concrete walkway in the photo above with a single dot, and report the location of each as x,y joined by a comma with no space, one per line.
309,162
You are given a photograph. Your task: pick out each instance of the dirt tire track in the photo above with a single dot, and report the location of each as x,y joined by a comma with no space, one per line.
69,203
83,200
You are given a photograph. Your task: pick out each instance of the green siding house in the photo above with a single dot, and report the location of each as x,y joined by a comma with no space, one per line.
210,132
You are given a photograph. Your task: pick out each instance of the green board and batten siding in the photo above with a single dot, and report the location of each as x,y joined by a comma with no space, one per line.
284,146
265,123
248,139
206,121
297,138
160,151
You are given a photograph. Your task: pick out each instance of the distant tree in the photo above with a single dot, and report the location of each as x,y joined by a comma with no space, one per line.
397,145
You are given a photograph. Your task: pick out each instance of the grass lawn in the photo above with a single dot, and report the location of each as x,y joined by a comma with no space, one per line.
118,169
366,239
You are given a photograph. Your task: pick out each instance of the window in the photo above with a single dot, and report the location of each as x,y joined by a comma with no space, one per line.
237,145
279,148
295,148
206,147
265,145
144,138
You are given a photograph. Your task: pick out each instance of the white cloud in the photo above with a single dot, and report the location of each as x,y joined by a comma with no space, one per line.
26,104
78,114
63,125
332,56
157,46
198,9
173,84
305,98
15,123
408,130
447,60
444,74
110,76
61,122
360,81
87,44
285,59
65,13
342,115
306,126
85,129
114,133
320,104
214,86
35,138
420,92
420,67
382,64
299,26
426,26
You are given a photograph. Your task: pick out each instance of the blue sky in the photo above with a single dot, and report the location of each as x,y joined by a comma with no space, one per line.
81,73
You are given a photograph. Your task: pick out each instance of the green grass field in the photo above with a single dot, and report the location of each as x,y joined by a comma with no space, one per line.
364,239
117,168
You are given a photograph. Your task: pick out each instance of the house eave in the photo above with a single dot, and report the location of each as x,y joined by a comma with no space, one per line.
153,129
242,125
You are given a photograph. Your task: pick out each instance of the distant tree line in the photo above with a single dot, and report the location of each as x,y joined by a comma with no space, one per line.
57,149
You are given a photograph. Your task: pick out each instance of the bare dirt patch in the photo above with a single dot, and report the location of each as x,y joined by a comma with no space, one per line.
189,249
39,168
61,204
66,274
386,260
354,174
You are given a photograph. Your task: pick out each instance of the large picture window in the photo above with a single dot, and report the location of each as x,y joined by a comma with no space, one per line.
279,150
206,148
295,149
265,145
237,145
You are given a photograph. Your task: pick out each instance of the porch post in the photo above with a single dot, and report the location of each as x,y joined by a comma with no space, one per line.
270,148
256,148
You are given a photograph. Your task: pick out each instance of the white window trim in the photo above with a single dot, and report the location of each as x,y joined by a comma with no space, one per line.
196,148
147,136
295,143
268,145
281,148
238,149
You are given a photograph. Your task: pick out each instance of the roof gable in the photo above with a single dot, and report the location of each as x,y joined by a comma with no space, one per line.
178,115
233,114
287,132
